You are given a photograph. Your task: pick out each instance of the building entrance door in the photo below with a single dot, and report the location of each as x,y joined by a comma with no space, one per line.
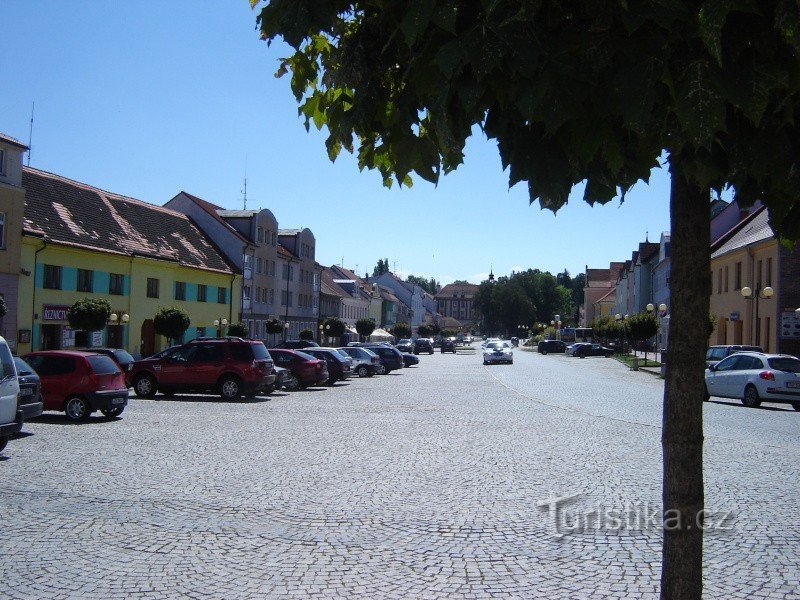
148,343
50,337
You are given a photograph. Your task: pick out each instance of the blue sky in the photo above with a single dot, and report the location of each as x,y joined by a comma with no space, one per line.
148,99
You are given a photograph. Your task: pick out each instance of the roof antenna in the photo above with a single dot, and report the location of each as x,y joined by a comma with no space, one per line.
30,134
646,237
244,191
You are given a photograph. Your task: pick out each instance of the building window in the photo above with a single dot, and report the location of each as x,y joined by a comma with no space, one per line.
152,287
719,281
737,277
259,265
85,280
769,271
52,277
180,290
2,225
116,283
260,235
202,293
2,162
246,292
272,296
759,271
726,278
222,295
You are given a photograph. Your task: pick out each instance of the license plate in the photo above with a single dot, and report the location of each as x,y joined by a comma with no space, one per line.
793,384
26,392
118,401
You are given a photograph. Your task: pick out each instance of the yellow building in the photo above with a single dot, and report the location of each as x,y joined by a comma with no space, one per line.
746,258
79,241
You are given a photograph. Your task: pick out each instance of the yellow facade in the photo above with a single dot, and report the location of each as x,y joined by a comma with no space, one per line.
40,310
756,267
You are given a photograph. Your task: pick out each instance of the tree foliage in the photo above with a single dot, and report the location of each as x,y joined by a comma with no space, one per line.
238,330
430,285
381,268
3,308
273,326
401,331
306,334
365,327
425,330
333,327
641,326
89,314
171,322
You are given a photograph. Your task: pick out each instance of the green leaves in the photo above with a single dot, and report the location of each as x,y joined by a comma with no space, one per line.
89,314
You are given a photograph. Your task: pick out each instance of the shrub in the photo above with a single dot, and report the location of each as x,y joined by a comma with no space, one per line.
333,327
401,331
238,330
365,327
306,334
171,322
89,314
273,326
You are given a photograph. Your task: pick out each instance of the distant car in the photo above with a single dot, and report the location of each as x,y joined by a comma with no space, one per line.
467,339
514,341
448,345
305,369
231,367
365,362
339,366
716,353
10,416
498,352
585,350
297,344
573,348
79,383
391,358
123,358
30,390
405,345
409,360
489,340
423,345
555,346
754,377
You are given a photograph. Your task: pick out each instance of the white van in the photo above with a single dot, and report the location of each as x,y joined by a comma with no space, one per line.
10,415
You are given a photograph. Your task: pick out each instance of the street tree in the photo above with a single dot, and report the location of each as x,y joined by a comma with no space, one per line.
306,334
3,308
273,326
89,314
641,327
171,322
425,330
238,330
365,327
589,93
401,331
333,327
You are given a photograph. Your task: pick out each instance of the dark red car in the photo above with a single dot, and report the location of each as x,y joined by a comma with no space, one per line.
79,383
230,367
305,369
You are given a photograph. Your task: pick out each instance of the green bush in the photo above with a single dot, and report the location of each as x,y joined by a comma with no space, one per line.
89,314
306,334
401,331
238,330
333,327
365,327
171,322
273,326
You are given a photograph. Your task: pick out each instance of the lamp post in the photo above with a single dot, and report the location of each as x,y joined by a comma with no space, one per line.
621,320
220,324
748,294
285,330
321,329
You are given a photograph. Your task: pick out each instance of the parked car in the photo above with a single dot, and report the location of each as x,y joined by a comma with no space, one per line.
30,390
297,344
339,367
281,377
448,346
391,358
365,362
716,353
305,369
405,345
79,383
123,358
423,345
754,377
10,415
573,348
409,360
586,349
230,367
498,352
555,346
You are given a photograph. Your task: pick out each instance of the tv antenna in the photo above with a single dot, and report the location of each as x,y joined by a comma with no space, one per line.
30,134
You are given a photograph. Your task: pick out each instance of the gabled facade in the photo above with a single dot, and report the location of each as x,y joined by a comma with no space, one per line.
12,209
455,301
409,294
599,282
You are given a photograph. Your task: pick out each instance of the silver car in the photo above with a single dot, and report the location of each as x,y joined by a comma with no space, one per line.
365,362
498,352
754,377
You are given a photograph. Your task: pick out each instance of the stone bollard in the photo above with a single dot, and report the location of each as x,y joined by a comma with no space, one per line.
635,363
663,363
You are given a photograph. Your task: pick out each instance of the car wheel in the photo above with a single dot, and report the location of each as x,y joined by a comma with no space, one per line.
3,443
268,390
750,398
362,371
77,409
230,388
796,406
331,381
291,383
387,371
110,413
145,386
543,351
380,370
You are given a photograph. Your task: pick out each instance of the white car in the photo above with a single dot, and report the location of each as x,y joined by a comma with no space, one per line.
10,415
488,341
754,377
498,352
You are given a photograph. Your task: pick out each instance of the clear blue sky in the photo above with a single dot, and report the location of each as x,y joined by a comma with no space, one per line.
151,98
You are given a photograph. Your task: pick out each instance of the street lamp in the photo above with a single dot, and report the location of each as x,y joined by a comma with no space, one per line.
220,324
621,320
285,330
321,329
748,294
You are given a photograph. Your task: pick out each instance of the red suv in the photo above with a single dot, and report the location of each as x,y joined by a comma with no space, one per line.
231,367
79,383
305,369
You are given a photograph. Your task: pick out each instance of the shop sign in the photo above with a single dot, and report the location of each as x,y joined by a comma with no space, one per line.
54,312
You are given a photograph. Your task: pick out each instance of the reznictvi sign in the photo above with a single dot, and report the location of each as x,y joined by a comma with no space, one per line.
54,312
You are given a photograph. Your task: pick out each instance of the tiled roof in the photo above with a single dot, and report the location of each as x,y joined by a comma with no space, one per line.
13,141
387,295
611,295
283,252
468,289
214,210
647,250
75,214
751,232
329,286
597,276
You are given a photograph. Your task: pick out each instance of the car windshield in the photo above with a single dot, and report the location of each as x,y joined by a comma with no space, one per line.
404,342
343,353
305,356
102,364
122,356
260,351
785,363
23,368
497,345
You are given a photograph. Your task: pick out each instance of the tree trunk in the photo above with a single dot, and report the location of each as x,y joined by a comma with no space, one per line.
682,434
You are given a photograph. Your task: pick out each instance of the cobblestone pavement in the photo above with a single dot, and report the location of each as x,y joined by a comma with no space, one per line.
434,482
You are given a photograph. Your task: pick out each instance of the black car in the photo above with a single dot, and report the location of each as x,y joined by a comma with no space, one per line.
593,350
297,344
405,345
423,345
448,346
409,359
30,390
545,346
339,367
391,358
